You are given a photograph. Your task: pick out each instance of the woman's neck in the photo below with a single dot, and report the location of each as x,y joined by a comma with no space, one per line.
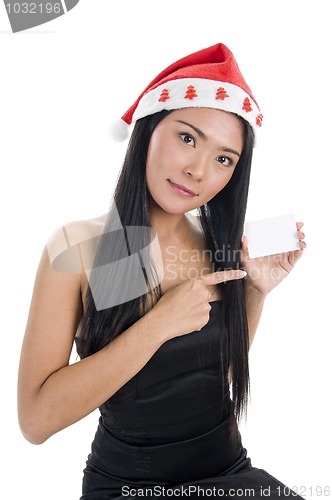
169,226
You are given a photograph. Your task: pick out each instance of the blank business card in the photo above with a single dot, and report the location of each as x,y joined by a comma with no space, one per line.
271,236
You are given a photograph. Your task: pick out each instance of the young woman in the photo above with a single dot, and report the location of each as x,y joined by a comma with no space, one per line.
163,304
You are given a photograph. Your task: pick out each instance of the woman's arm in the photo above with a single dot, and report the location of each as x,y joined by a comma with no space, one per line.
254,301
53,394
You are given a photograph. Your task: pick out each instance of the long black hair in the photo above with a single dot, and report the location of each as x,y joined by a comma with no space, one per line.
222,221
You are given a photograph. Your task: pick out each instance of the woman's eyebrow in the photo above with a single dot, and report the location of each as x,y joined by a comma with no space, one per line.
229,150
197,130
203,136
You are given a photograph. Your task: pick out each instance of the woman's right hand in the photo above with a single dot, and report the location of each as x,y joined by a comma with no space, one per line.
185,308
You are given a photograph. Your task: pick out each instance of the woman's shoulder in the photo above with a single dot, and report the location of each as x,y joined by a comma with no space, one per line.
72,246
79,230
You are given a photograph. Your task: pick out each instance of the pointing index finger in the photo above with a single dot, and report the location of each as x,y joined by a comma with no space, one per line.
222,276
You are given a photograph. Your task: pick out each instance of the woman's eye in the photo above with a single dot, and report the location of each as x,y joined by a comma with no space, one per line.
188,139
224,160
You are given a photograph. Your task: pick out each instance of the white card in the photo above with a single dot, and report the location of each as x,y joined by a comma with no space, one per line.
271,236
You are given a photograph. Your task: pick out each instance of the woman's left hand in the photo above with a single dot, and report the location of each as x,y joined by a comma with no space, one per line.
265,273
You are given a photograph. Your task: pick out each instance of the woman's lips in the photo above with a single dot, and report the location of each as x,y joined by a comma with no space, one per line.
181,189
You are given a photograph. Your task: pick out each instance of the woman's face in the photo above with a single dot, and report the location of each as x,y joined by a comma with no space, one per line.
191,157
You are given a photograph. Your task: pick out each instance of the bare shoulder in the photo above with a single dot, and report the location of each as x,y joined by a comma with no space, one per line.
77,231
71,247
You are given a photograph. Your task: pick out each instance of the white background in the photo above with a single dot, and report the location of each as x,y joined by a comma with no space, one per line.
61,85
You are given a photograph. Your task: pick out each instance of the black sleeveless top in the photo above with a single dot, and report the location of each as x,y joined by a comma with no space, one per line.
177,395
172,424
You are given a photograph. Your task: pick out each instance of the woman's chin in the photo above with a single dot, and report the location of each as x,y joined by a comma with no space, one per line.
173,205
173,209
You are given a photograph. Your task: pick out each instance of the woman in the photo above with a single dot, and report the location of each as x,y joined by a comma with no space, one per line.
163,304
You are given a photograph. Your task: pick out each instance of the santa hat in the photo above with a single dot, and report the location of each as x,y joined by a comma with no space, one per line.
209,78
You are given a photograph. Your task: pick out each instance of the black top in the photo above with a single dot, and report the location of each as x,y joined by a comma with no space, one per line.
177,395
173,424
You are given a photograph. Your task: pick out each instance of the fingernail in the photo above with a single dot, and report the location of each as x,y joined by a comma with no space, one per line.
241,274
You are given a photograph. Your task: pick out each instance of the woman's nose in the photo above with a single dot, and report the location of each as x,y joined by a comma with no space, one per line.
197,169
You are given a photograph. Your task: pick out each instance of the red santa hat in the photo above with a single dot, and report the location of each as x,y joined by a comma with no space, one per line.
209,78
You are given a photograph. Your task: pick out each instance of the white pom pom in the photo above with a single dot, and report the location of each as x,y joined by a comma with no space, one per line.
119,130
